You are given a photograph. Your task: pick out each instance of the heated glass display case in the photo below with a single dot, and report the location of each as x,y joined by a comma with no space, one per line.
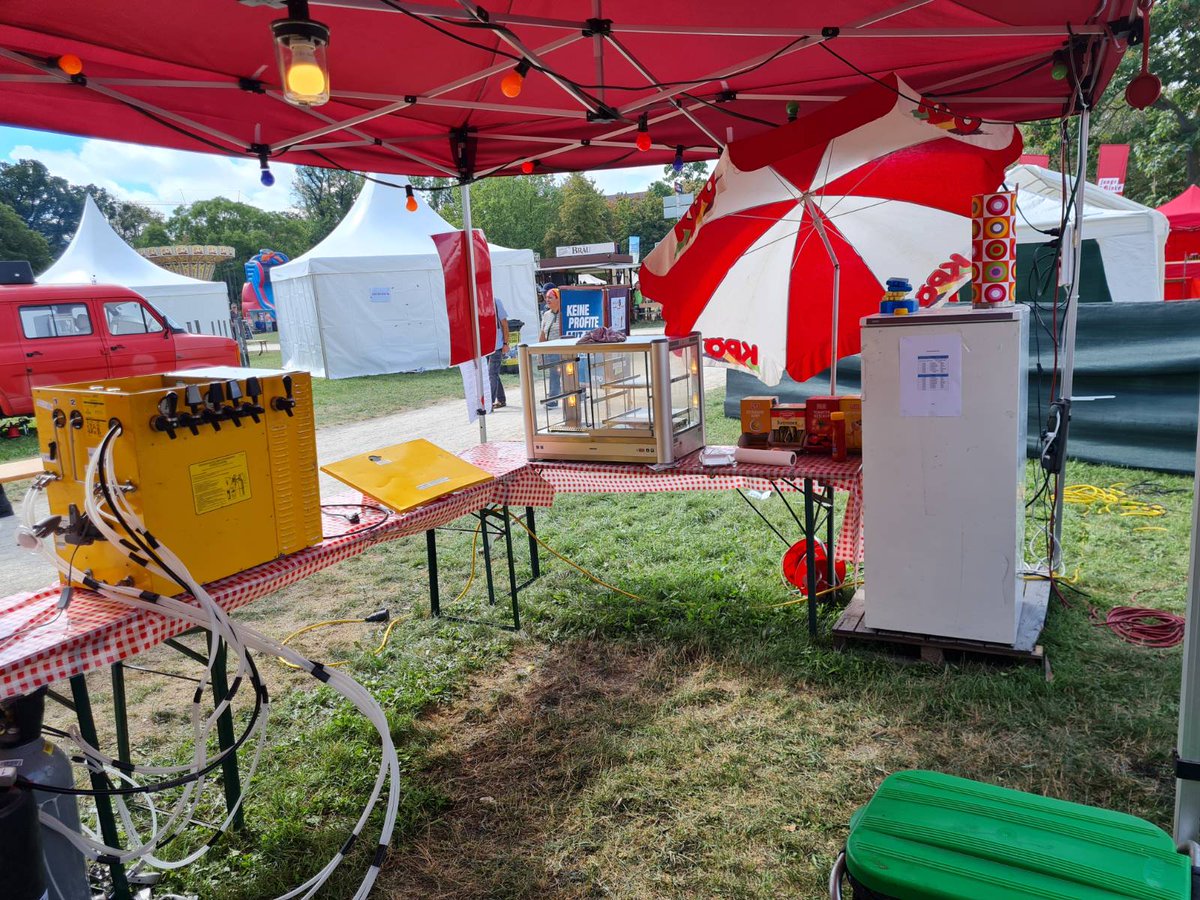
638,400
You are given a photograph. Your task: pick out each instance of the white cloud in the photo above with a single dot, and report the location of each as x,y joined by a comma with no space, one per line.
161,178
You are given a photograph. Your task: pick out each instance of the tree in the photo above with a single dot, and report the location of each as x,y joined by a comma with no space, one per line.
583,215
641,215
245,228
19,241
1164,139
51,205
515,211
324,196
128,219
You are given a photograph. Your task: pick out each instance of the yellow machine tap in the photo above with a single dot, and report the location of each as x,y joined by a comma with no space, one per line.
220,464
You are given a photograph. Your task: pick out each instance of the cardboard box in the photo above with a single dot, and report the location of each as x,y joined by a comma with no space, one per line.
788,423
756,415
852,407
818,435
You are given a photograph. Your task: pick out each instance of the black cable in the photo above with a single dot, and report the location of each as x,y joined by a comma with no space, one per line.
182,780
387,514
899,93
729,112
496,28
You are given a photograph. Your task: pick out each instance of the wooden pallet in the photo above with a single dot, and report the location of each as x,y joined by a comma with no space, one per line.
929,648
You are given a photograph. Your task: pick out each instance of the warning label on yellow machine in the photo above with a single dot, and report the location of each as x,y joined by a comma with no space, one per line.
219,482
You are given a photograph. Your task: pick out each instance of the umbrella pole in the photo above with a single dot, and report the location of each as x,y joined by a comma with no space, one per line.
471,289
837,286
1066,385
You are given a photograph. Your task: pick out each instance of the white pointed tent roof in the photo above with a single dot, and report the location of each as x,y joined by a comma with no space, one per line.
98,255
379,226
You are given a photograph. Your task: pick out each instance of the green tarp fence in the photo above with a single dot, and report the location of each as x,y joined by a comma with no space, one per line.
1146,354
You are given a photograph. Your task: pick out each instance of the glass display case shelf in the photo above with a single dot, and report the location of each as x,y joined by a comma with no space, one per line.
642,399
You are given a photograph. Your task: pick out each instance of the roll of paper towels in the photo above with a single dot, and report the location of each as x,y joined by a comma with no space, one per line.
784,458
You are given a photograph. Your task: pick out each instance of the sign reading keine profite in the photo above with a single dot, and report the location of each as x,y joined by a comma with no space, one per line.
582,311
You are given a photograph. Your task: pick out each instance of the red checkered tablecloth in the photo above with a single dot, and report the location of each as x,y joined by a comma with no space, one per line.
94,632
509,463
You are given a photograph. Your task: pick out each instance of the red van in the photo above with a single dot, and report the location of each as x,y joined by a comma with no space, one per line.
59,334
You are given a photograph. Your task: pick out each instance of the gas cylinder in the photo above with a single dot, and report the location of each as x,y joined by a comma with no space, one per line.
38,761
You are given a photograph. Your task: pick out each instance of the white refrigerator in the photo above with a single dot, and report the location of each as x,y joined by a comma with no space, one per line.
944,407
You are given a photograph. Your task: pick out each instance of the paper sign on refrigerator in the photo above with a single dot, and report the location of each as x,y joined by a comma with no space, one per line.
931,375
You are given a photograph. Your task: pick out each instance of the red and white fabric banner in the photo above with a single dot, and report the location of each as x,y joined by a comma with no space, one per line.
452,248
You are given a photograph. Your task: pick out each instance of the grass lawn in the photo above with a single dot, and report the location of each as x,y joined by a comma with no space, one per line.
21,447
692,743
353,399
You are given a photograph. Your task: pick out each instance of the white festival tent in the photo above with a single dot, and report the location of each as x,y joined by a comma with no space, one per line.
371,297
1131,237
98,255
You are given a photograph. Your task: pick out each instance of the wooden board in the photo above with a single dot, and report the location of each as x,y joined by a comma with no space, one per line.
20,470
933,649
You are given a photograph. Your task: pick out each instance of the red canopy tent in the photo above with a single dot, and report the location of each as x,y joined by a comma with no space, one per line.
1184,215
1183,273
415,87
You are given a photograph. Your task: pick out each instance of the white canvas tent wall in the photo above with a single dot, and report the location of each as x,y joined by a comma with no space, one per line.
98,255
1131,237
371,298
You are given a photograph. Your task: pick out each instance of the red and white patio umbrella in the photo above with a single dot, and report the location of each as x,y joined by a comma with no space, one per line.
804,224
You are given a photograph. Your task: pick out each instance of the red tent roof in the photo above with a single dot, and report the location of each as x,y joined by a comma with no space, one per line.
1184,211
409,80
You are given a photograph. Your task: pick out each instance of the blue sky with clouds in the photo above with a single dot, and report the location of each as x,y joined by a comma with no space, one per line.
164,179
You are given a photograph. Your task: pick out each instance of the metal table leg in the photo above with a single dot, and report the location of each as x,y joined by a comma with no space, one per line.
512,570
100,782
225,738
120,713
829,561
811,557
535,562
484,515
435,602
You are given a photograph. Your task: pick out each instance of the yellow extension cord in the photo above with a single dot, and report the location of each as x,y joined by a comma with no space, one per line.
1112,499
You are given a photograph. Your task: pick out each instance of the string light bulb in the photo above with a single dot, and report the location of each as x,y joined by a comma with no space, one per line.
793,109
677,163
264,170
69,63
411,203
528,166
1058,65
643,133
514,80
300,50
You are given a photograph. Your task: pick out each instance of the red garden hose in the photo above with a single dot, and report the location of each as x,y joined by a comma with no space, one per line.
1145,627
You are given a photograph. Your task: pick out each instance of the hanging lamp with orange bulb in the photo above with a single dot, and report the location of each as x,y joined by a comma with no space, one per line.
300,50
643,133
411,203
514,80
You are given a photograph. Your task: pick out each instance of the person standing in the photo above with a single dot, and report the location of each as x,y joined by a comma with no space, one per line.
551,330
496,358
552,317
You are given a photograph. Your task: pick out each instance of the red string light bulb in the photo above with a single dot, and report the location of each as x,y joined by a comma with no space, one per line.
411,203
643,133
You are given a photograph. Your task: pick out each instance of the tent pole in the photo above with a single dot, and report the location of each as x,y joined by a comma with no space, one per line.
837,289
1187,793
475,337
1067,382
